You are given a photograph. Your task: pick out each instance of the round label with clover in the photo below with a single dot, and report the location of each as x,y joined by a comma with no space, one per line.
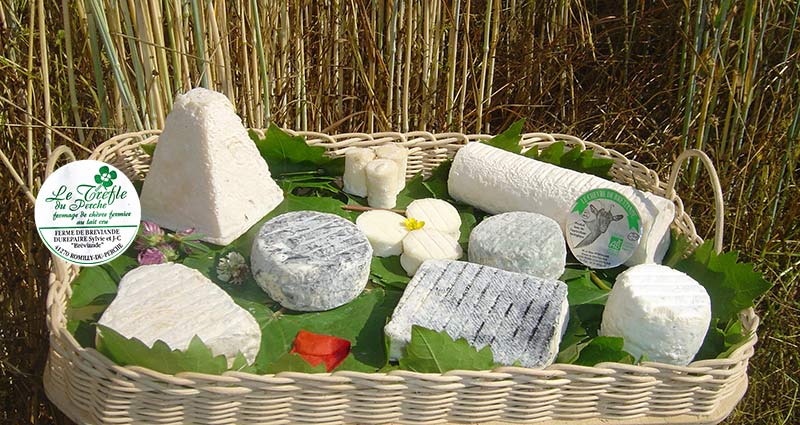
604,228
87,212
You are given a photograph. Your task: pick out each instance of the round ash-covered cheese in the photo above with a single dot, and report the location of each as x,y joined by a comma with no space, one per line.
385,231
660,312
437,214
427,244
311,261
521,242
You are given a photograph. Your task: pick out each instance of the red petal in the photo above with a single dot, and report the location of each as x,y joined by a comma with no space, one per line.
315,348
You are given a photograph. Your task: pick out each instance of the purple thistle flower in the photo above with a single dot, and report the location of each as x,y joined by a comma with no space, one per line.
150,235
151,256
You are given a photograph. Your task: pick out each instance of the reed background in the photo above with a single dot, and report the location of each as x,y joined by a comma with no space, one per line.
648,78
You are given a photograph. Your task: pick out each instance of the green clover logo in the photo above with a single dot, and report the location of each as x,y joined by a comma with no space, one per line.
105,176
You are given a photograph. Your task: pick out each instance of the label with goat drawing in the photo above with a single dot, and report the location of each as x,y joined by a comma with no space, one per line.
604,228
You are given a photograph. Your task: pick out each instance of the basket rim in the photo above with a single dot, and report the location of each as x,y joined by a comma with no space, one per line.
62,274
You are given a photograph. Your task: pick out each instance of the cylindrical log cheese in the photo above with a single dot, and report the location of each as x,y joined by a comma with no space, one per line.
382,183
398,154
355,174
499,181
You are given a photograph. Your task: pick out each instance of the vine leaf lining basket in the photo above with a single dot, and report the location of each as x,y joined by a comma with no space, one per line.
89,388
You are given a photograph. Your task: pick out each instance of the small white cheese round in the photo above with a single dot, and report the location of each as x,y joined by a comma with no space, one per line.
660,312
382,186
385,231
437,215
427,244
311,261
521,242
398,154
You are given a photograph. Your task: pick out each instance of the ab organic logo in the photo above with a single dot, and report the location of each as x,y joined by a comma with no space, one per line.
87,212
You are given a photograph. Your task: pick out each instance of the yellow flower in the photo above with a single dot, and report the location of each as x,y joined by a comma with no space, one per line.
413,224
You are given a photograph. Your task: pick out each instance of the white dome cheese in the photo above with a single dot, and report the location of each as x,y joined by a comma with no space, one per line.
311,261
385,231
427,244
660,312
437,215
173,303
522,318
206,172
521,242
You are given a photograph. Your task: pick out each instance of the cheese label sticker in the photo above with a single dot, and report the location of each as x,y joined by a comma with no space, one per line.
604,228
87,213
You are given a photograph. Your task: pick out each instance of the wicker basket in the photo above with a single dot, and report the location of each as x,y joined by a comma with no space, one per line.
89,388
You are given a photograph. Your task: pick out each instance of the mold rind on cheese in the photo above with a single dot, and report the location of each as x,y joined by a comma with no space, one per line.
522,318
311,261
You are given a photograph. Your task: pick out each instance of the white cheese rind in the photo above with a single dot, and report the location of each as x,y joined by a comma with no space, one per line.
382,186
437,215
311,261
498,181
398,154
660,312
206,172
521,318
385,231
355,170
521,242
173,303
427,244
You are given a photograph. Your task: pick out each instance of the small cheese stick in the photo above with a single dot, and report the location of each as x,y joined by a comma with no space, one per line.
355,176
427,244
437,215
399,155
382,183
385,231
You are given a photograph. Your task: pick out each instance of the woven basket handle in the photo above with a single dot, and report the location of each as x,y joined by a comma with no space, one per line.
719,203
56,155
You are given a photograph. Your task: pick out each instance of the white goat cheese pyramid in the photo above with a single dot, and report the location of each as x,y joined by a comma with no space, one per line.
173,303
207,173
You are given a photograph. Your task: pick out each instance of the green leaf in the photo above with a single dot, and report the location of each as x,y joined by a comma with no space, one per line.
415,189
436,352
732,286
360,321
130,351
573,159
387,271
291,362
290,154
679,248
83,332
509,139
581,289
468,222
149,148
437,182
721,341
604,349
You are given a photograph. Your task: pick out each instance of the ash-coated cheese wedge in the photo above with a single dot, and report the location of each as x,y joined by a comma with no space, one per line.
385,231
173,303
382,186
499,181
521,242
311,261
522,318
427,244
660,312
437,214
398,154
355,170
207,173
